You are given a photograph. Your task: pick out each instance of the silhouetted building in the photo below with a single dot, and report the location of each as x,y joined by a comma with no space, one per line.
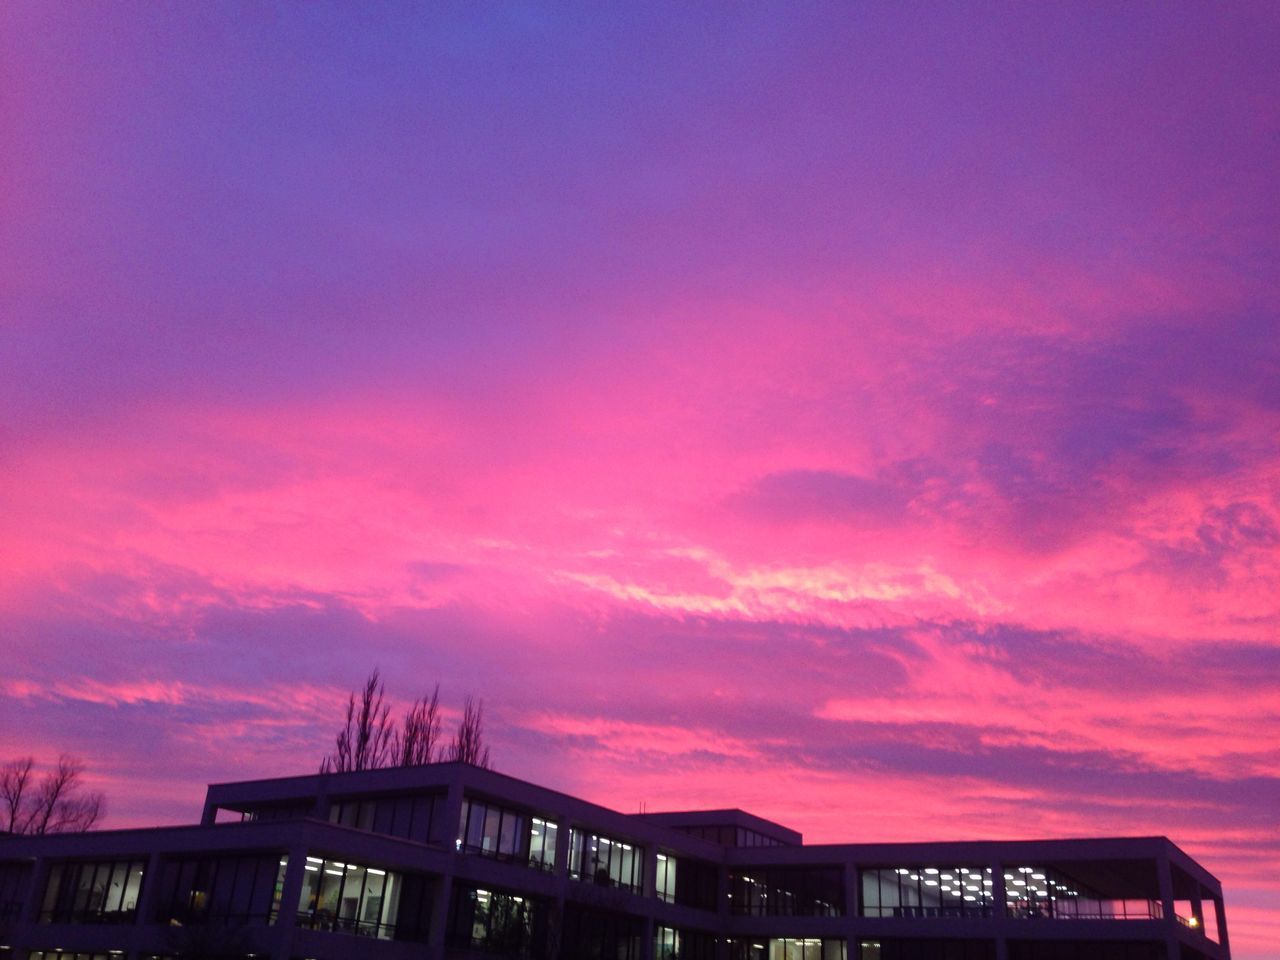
450,860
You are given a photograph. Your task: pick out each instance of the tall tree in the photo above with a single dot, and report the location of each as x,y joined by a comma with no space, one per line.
14,778
56,803
417,743
365,741
468,741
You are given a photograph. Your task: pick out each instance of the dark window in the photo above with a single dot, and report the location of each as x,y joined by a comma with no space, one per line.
787,891
672,943
927,950
497,922
93,892
14,877
409,817
494,831
227,890
590,934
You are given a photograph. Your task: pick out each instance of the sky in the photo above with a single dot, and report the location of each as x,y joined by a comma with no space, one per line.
867,415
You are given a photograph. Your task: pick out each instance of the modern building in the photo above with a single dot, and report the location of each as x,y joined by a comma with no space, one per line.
450,860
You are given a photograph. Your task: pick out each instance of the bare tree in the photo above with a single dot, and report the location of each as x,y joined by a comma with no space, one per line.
57,803
14,777
468,742
417,743
365,741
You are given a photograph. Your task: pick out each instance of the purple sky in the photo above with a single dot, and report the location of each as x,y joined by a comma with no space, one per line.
865,415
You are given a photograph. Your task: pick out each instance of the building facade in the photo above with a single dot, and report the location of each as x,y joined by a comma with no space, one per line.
449,860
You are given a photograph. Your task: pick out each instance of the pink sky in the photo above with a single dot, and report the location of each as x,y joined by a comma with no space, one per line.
865,418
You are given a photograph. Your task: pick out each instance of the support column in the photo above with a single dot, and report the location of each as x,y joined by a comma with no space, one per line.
852,909
999,910
1220,911
446,834
281,936
1169,919
34,902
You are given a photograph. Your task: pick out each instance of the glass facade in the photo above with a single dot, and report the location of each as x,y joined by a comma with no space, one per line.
730,836
350,898
492,831
14,877
671,943
664,881
927,891
926,949
104,891
542,843
295,810
495,922
787,892
1037,892
409,816
237,890
605,861
787,948
591,934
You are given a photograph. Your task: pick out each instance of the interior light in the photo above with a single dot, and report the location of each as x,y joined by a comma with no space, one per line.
902,870
333,873
312,869
314,860
931,870
947,876
377,873
931,883
1024,869
969,896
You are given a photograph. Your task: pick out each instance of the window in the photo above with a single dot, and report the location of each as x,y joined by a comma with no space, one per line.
603,860
238,890
407,816
673,944
1036,892
492,831
917,948
665,881
602,934
350,898
927,891
783,948
14,877
542,843
496,922
787,892
97,892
